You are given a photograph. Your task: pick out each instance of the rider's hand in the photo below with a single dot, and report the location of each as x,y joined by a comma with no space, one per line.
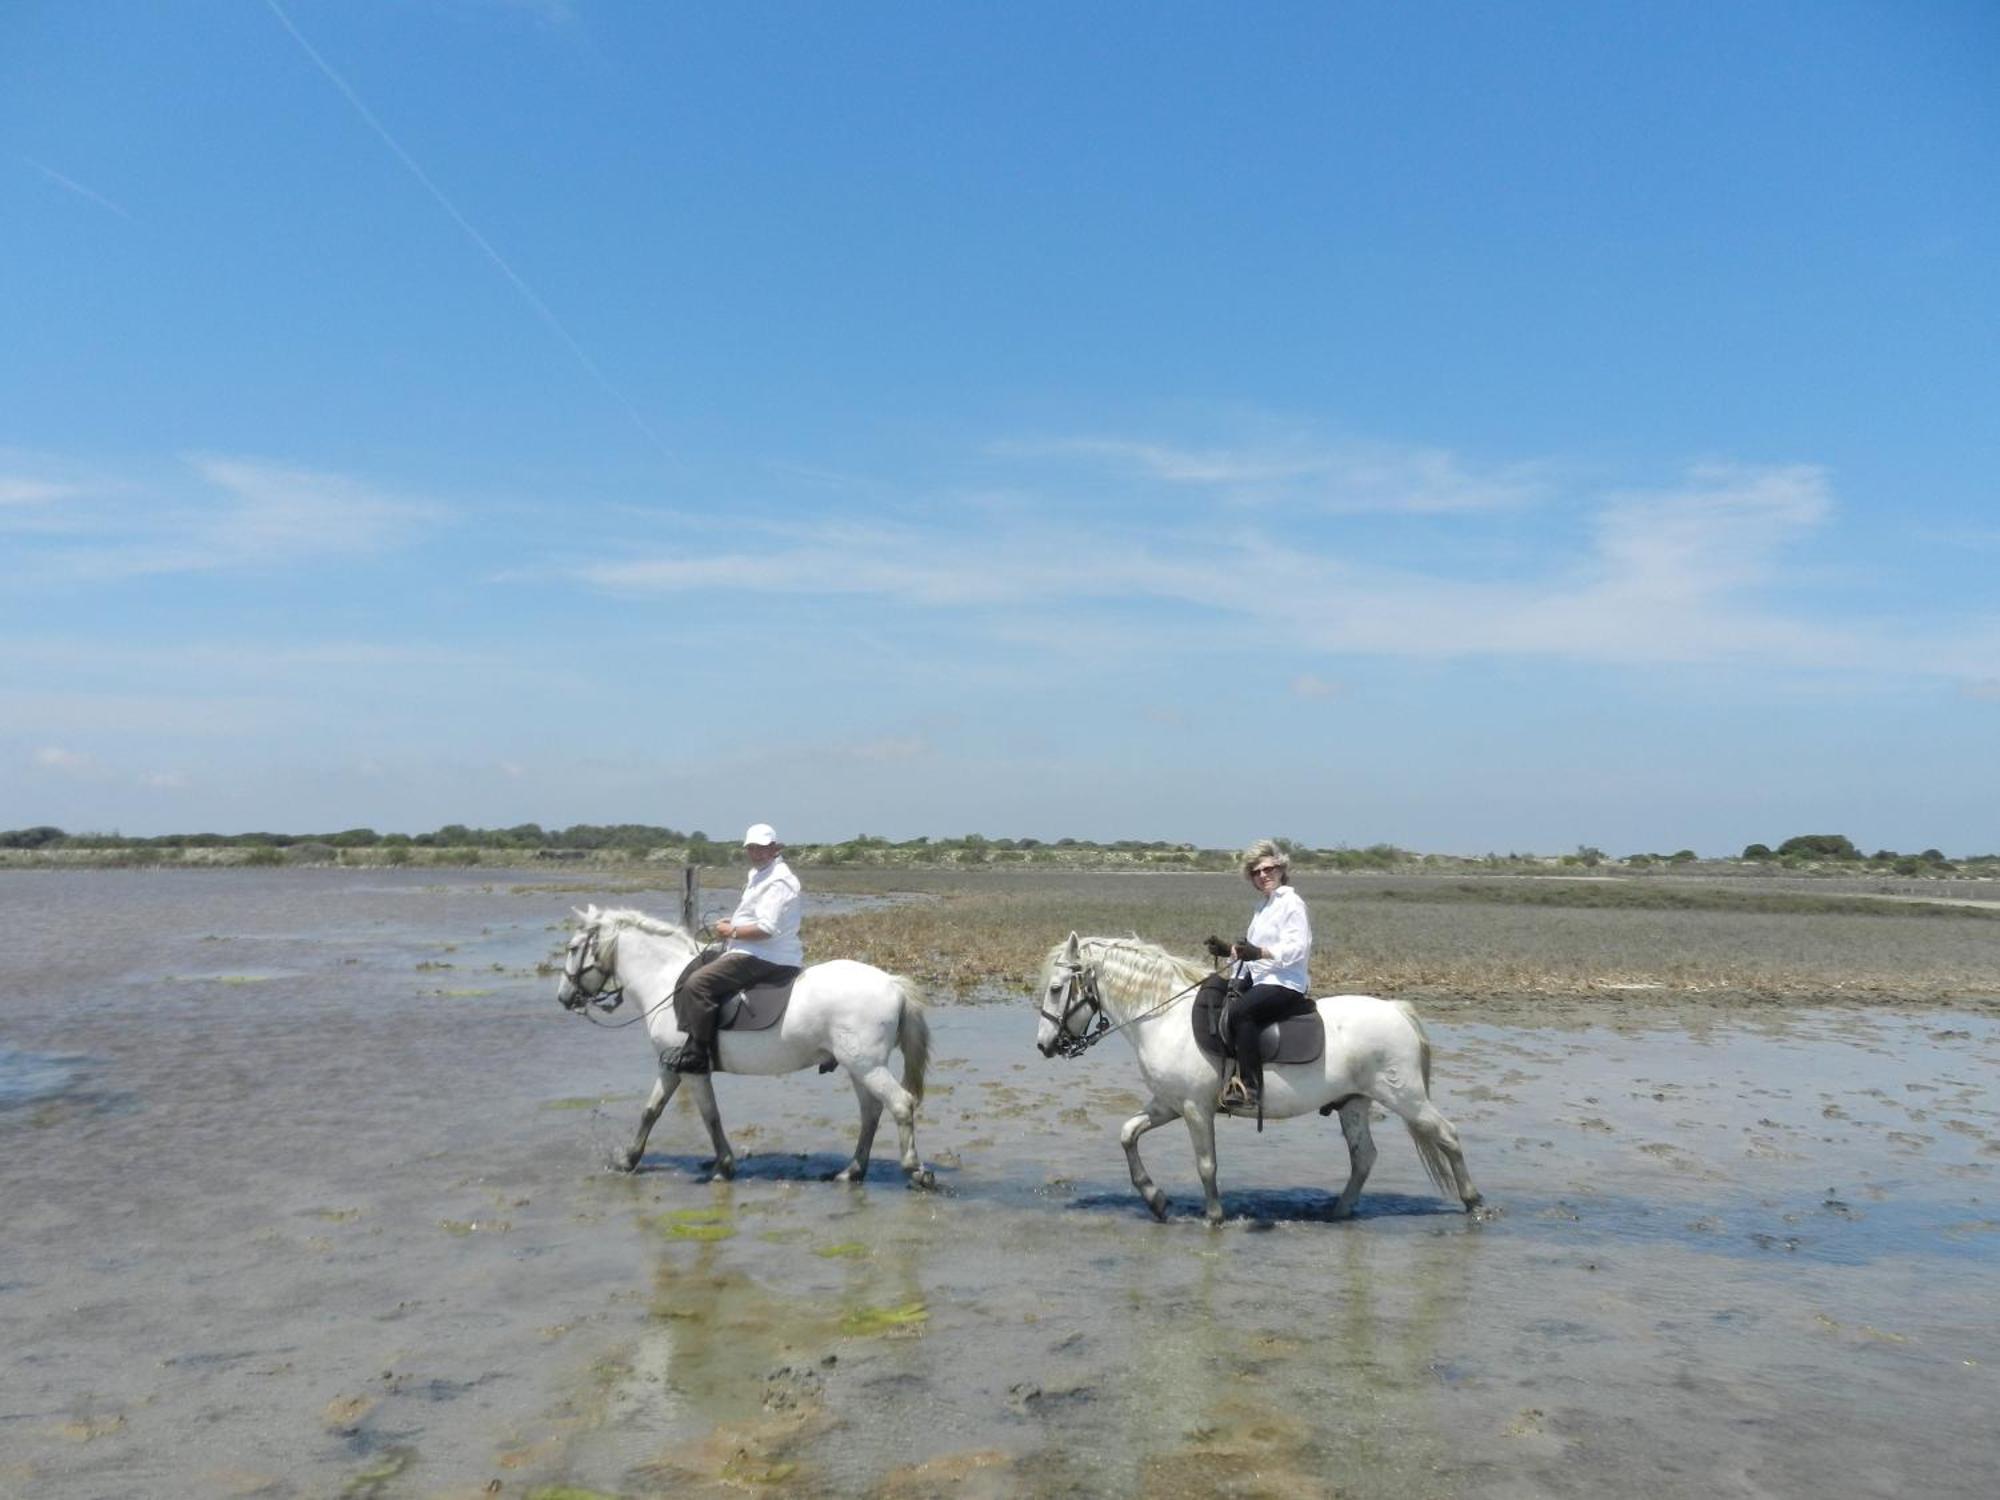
725,928
1244,951
1216,947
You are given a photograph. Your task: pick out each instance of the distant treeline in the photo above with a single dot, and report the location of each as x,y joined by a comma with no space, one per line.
457,843
696,847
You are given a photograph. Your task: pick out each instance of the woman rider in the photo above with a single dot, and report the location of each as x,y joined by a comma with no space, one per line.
1275,950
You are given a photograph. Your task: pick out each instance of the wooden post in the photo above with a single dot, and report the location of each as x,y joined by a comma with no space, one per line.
691,897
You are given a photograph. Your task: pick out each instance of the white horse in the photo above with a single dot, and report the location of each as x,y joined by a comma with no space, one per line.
842,1012
1375,1050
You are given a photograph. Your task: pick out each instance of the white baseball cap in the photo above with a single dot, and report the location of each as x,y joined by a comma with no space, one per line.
760,834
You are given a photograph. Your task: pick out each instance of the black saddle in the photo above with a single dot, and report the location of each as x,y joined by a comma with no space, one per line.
756,1009
1302,1039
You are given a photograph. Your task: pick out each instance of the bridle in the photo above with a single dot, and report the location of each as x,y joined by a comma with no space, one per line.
1080,993
607,994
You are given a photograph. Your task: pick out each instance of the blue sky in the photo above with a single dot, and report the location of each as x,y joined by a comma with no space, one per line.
1474,427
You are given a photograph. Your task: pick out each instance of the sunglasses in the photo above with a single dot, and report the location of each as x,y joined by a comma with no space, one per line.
1263,870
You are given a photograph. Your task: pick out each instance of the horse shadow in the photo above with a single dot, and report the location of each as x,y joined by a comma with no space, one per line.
1261,1209
778,1166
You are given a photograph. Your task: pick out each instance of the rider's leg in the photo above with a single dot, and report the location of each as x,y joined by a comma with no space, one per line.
1248,1017
698,1002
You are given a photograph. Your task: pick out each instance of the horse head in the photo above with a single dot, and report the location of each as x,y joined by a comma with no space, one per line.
590,965
1068,1001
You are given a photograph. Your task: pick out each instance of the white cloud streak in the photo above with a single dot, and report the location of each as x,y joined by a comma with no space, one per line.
1346,478
1685,574
243,513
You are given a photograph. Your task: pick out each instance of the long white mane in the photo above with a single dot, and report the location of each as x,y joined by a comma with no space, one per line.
612,921
1131,971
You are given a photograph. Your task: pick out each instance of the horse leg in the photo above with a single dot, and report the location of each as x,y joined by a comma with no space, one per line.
704,1099
1201,1130
1436,1140
871,1116
1360,1151
880,1082
1128,1136
663,1090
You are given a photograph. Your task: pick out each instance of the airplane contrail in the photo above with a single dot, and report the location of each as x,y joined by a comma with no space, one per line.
76,187
542,309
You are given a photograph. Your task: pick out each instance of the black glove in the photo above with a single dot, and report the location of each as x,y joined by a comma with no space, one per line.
1216,947
1243,950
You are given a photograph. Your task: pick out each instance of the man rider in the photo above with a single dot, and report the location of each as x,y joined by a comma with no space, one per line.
763,948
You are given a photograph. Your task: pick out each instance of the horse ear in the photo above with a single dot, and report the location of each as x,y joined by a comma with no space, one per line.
1071,946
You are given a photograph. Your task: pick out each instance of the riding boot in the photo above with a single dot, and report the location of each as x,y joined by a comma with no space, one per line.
690,1057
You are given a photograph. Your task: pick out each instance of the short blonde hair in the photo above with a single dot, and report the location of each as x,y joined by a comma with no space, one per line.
1267,849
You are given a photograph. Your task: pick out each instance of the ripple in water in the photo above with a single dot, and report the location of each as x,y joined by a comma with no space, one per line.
33,1077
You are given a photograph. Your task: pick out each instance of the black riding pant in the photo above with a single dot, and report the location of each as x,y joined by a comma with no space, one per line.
1249,1014
700,997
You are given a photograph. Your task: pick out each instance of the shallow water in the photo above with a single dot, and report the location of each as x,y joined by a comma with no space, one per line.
304,1191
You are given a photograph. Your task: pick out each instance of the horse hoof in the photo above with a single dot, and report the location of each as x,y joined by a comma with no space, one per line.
630,1161
923,1178
1214,1217
1158,1204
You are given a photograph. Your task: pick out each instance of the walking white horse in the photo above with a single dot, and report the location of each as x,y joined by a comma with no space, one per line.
1376,1050
842,1012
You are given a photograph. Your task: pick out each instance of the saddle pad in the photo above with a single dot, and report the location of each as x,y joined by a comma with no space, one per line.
1302,1039
756,1009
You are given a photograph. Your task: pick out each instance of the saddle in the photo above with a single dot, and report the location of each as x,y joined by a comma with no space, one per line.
1302,1039
756,1009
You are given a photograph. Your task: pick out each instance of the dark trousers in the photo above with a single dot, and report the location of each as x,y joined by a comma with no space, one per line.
1249,1014
699,999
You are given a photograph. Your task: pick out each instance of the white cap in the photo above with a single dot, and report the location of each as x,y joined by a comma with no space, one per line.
760,834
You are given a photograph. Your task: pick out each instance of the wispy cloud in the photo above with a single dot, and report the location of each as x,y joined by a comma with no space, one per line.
15,490
1696,571
221,513
1335,478
1308,685
65,762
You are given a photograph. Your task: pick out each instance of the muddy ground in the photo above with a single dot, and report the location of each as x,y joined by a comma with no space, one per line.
303,1192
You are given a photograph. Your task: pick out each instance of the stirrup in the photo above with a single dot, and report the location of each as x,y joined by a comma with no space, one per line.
1236,1094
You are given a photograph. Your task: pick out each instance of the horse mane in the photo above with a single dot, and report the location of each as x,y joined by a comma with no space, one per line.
1136,970
621,917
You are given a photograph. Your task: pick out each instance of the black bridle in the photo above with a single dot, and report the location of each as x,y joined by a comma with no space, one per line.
1080,994
607,994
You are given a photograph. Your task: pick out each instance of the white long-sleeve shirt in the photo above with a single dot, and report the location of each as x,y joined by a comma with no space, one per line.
1280,927
771,900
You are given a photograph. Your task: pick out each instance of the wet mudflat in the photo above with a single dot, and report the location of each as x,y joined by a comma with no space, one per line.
302,1179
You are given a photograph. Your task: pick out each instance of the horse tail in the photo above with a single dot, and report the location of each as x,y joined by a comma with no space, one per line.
913,1035
1428,1151
1423,1039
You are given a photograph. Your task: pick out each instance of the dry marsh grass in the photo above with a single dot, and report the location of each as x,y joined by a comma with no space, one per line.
1488,942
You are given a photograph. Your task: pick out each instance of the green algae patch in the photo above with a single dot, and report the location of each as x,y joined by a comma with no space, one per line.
568,1492
701,1224
847,1250
744,1469
373,1481
870,1322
